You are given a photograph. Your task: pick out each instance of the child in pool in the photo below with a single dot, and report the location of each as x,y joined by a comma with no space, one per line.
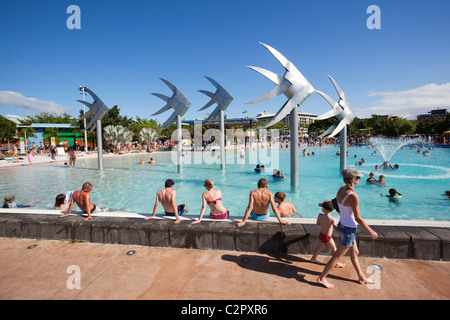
393,194
60,202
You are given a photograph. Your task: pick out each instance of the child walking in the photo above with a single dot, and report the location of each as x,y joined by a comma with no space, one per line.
327,223
30,157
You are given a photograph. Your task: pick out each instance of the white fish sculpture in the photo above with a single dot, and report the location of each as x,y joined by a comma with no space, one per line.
97,108
341,110
221,97
178,102
293,84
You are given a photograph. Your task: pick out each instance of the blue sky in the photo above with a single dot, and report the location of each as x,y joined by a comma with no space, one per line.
124,47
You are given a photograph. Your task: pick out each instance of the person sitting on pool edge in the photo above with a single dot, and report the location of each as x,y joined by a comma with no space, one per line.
83,199
285,208
258,204
213,198
167,197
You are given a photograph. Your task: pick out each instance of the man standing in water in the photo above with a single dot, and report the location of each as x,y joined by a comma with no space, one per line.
167,197
72,156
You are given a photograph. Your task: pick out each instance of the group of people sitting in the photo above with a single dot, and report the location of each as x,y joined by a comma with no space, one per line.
258,207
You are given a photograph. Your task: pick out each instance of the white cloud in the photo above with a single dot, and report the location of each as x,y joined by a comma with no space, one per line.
14,118
33,105
408,104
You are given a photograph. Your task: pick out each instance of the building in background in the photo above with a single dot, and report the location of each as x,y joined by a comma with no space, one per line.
66,133
433,113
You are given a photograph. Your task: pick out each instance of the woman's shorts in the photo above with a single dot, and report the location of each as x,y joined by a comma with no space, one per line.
347,235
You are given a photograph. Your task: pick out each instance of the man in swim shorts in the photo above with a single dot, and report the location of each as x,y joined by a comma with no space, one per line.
83,199
167,197
258,205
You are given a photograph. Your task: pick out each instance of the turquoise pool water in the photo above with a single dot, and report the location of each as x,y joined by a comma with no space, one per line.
421,179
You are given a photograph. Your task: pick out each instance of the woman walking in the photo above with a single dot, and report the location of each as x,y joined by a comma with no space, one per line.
348,203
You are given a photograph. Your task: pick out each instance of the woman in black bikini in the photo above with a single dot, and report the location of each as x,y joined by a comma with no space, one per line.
213,198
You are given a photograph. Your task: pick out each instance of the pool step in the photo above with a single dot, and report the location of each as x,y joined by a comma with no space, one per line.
399,242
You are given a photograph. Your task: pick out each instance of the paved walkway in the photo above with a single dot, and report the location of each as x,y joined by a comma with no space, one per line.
45,158
107,272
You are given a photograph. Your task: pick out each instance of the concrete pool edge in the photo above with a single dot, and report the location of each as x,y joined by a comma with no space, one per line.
398,239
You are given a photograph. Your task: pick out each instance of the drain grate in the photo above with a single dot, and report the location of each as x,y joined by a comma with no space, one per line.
131,252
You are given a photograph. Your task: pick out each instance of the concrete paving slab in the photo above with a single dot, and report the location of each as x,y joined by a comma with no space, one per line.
107,272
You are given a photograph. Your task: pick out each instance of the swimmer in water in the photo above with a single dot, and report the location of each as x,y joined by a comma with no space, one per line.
371,178
278,174
393,194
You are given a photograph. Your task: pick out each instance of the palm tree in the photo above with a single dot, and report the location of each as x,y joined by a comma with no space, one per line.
147,135
117,134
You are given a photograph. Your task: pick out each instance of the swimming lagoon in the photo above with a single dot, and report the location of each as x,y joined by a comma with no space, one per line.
126,183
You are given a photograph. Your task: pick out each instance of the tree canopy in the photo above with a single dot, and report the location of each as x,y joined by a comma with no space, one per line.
7,129
376,125
389,127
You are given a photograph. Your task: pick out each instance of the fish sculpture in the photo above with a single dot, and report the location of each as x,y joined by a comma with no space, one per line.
221,97
340,109
293,84
97,108
177,102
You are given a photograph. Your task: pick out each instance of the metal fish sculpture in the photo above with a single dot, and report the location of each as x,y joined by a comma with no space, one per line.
221,97
340,109
97,108
178,102
293,84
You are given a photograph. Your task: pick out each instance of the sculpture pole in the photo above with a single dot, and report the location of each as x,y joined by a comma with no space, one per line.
179,103
222,98
297,89
179,145
222,140
98,109
343,148
99,145
345,116
294,146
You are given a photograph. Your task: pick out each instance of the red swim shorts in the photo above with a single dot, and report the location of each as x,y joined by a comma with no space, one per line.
324,237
